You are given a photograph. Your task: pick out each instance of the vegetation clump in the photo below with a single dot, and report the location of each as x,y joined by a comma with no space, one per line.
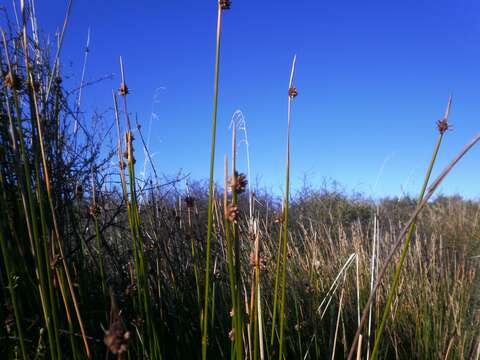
97,263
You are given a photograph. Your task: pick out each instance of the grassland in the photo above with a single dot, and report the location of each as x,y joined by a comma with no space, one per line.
98,263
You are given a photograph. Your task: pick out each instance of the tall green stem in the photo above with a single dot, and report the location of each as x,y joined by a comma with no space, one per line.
210,188
396,277
9,273
291,94
277,278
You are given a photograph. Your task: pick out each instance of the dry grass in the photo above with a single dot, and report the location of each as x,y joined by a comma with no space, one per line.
99,264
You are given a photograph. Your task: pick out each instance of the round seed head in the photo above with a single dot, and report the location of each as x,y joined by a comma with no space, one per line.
225,4
292,92
238,182
443,126
232,213
116,338
13,81
123,90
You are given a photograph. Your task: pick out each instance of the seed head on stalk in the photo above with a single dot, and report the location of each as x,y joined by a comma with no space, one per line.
292,92
443,126
222,5
225,4
117,336
12,81
238,182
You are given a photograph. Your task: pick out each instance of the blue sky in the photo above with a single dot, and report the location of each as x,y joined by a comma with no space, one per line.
373,77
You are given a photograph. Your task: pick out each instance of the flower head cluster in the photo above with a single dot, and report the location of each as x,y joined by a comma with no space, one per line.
12,81
116,338
443,125
292,92
225,4
238,182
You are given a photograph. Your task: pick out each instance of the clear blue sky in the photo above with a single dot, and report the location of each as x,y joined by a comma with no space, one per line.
373,77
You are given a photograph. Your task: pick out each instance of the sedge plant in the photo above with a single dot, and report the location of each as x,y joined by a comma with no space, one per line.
443,126
222,5
292,93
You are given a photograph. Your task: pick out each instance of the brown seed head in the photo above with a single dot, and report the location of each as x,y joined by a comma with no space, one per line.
123,90
94,210
279,219
238,182
292,92
116,338
443,126
231,335
260,262
13,81
232,213
225,4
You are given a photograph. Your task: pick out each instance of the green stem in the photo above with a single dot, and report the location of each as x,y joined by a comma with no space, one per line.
210,189
277,277
403,255
285,229
238,310
11,288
